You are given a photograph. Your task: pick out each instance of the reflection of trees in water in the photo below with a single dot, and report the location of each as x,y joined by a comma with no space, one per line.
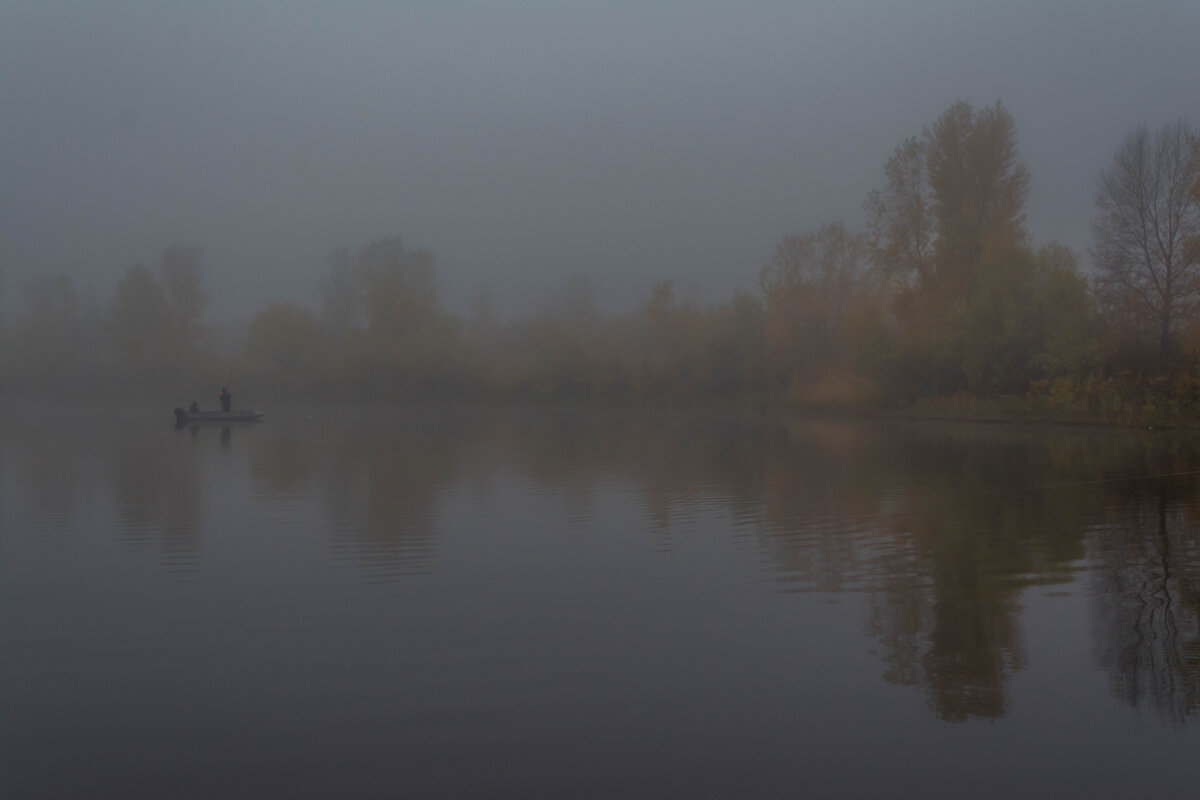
966,547
58,455
283,459
946,622
46,464
1147,591
975,643
563,451
377,473
822,491
380,488
941,528
156,489
676,461
931,561
985,517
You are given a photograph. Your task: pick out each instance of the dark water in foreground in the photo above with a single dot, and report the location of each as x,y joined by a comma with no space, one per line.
610,604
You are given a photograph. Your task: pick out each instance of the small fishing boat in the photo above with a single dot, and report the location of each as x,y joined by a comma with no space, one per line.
183,417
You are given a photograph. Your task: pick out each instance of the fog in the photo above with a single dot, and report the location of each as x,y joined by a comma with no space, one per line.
527,142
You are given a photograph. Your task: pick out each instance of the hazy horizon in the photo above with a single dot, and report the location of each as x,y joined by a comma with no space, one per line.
527,142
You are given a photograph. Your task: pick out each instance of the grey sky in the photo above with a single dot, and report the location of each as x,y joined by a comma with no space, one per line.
524,142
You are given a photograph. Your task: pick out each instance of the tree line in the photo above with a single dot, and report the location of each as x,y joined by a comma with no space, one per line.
943,301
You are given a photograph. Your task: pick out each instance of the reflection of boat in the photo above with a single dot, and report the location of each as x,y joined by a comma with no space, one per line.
188,417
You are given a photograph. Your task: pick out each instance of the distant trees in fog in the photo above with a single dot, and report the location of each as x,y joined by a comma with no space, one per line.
285,338
54,336
155,321
382,313
823,310
943,296
150,330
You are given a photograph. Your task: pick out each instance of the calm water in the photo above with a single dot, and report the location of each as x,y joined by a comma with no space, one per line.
439,603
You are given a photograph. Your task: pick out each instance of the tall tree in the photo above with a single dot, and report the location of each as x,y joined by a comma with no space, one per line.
951,209
482,324
48,339
141,321
382,308
979,187
947,195
181,273
400,289
286,337
342,292
579,303
1194,242
1147,217
900,220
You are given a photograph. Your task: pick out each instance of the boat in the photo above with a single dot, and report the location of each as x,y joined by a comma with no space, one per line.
183,417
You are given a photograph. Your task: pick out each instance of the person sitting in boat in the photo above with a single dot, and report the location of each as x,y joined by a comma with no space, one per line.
194,408
226,399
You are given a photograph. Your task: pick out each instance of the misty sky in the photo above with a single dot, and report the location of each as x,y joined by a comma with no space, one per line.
525,142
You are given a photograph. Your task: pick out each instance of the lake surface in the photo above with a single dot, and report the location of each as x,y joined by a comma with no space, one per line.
532,603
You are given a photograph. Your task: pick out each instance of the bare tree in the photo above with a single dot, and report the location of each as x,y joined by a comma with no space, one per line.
1146,215
141,322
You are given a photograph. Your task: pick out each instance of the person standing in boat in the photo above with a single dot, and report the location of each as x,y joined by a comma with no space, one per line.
194,408
226,399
